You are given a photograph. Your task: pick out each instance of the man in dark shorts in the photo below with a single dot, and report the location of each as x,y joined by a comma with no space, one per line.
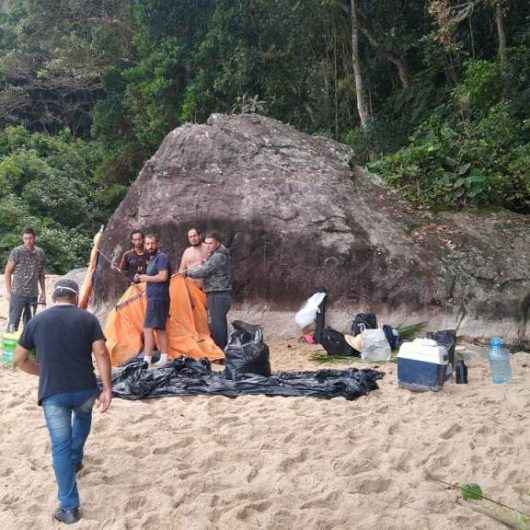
64,338
23,274
157,290
134,261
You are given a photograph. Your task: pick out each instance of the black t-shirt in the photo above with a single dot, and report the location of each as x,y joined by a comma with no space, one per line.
133,263
62,337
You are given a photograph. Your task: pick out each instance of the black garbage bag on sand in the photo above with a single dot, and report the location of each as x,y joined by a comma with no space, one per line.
246,353
186,377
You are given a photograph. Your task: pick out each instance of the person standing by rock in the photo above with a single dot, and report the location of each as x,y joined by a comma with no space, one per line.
64,338
157,280
23,273
134,261
216,273
195,255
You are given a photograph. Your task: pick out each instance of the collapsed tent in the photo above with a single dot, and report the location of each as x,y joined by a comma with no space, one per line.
187,326
186,376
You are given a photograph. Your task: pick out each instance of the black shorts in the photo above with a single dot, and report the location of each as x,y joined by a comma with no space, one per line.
156,314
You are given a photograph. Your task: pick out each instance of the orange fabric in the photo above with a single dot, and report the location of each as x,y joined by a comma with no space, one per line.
187,325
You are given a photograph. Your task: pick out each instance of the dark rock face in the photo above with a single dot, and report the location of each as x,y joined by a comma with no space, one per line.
296,217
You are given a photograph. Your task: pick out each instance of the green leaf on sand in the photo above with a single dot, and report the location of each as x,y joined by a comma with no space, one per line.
471,492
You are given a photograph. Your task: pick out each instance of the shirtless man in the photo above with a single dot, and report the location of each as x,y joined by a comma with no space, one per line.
194,255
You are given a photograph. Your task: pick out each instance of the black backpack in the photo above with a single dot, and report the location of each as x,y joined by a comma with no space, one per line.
363,321
335,344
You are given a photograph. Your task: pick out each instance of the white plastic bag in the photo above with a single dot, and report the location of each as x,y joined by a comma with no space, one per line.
308,313
375,346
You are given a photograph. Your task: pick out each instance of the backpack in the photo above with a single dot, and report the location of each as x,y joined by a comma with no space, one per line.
363,321
392,336
335,344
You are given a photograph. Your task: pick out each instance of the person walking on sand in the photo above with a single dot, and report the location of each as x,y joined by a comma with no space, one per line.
196,254
64,338
23,273
216,273
157,289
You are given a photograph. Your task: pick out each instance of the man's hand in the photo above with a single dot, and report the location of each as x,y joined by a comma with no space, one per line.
138,278
104,400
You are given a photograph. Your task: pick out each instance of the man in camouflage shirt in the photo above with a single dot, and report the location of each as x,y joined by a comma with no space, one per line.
23,274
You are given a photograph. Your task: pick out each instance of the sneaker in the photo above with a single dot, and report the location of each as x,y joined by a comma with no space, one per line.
67,516
162,363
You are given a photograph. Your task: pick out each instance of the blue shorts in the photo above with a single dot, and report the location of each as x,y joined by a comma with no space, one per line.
156,314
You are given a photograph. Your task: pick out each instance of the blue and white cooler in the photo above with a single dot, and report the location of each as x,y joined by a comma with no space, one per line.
422,365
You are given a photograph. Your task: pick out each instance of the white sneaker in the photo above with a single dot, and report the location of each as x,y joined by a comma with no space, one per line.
162,362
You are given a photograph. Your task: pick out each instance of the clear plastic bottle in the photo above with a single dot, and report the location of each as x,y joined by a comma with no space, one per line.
499,358
9,343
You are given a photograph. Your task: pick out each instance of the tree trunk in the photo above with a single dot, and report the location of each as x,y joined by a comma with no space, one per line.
499,19
362,106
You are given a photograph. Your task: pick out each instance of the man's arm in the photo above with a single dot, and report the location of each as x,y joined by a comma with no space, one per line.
101,355
183,262
161,277
8,272
208,268
23,361
42,282
124,264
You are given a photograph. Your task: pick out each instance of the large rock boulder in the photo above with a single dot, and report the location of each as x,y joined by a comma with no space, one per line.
296,217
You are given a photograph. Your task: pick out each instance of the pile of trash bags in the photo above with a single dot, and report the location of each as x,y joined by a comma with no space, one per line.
186,377
247,372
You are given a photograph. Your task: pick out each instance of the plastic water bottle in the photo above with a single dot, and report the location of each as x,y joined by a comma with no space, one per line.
499,357
9,343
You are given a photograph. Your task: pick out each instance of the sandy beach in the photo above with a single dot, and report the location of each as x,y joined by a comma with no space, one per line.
274,463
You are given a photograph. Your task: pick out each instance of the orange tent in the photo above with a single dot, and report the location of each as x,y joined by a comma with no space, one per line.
187,326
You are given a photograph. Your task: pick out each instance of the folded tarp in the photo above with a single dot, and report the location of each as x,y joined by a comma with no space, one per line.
187,325
186,377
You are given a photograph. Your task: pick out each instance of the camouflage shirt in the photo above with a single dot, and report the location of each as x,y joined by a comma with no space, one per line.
216,271
29,266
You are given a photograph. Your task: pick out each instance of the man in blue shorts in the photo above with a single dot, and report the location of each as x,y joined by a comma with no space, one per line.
157,290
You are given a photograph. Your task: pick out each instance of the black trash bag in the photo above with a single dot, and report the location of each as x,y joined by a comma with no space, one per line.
446,338
334,343
246,353
321,316
363,321
187,377
392,336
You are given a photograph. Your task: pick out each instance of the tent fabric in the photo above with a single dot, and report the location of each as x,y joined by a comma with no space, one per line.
187,326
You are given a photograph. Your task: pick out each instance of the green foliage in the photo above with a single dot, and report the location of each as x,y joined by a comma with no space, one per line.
481,87
477,160
49,183
97,86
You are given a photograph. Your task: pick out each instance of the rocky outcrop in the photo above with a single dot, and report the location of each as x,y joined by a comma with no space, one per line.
296,217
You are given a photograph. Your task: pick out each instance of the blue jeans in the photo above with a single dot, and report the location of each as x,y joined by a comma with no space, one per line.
68,417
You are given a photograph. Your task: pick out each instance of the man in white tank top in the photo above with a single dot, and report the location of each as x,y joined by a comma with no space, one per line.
195,255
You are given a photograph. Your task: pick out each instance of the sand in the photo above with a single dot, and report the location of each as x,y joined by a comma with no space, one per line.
277,463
